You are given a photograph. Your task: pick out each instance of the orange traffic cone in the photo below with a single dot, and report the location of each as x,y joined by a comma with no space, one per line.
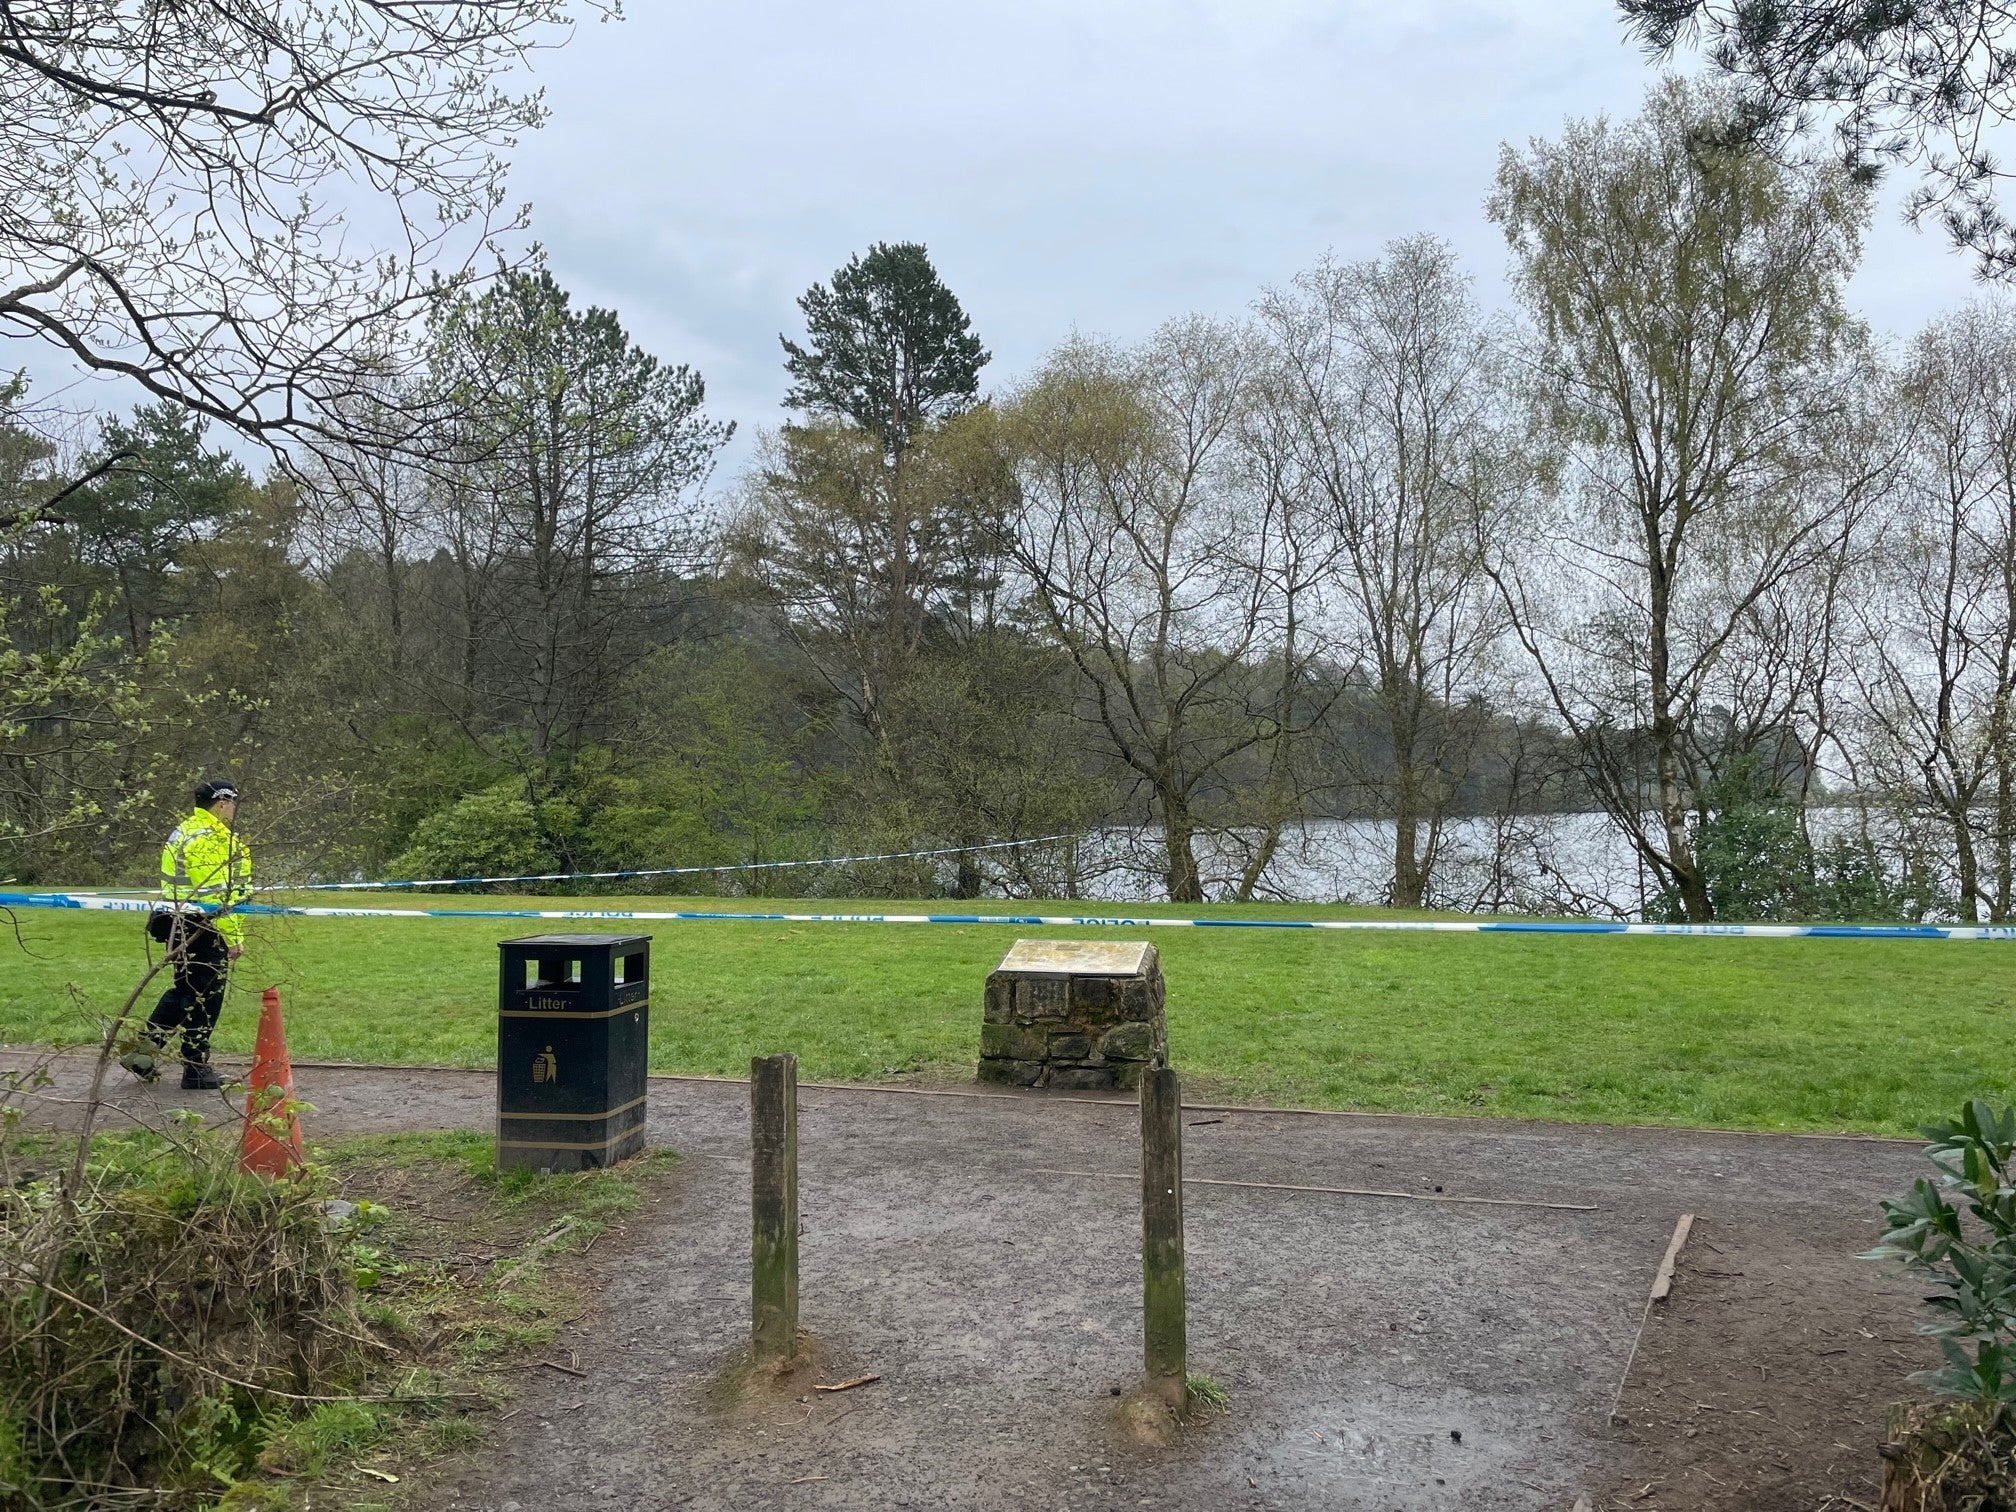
271,1145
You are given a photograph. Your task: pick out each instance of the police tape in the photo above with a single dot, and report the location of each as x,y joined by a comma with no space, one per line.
663,871
99,902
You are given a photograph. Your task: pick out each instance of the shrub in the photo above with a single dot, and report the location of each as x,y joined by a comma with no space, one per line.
495,833
160,1319
1958,1230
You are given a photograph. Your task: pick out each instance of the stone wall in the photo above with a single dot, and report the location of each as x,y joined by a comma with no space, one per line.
1073,1014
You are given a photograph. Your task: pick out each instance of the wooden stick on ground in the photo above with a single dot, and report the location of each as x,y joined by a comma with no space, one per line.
1328,1191
1662,1284
1662,1287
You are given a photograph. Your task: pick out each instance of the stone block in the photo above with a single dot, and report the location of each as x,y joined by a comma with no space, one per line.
1042,997
1081,1078
1127,1074
1070,1047
1011,1073
1000,999
1013,1042
1137,1000
1092,993
1125,1042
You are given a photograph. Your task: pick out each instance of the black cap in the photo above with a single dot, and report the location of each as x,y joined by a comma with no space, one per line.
208,793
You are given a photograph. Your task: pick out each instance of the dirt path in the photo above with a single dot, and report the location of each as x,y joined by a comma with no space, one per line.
1380,1354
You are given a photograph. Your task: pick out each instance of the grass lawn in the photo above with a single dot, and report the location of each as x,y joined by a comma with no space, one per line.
1873,1035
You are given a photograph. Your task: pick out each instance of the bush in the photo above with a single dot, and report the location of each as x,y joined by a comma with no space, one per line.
495,833
1962,1456
159,1321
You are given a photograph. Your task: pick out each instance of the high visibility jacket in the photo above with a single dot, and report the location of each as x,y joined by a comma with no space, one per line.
205,865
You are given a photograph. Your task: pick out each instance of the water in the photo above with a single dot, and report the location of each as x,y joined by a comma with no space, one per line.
1539,863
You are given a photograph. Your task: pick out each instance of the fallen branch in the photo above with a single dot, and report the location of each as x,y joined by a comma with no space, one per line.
1324,1191
849,1385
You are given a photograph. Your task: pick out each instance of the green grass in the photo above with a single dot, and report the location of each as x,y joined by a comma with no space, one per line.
1872,1035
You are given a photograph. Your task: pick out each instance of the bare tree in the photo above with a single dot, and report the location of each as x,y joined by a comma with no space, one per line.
1938,679
1153,565
1686,365
178,185
1390,384
370,500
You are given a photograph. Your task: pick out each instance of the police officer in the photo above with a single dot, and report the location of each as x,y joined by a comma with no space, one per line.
206,872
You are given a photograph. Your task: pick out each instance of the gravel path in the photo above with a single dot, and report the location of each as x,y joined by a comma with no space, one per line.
1379,1353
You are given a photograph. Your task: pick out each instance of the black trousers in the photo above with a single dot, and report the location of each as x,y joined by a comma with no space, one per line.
193,1003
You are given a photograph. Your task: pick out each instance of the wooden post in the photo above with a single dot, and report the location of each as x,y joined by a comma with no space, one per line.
773,1122
1164,1307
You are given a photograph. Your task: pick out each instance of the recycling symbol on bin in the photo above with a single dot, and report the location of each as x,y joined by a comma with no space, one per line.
544,1067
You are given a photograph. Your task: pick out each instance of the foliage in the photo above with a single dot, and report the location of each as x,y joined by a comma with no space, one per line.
158,1320
1973,1263
1916,83
1949,1458
888,347
494,833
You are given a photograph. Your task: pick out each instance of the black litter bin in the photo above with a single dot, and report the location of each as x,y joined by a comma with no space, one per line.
573,1025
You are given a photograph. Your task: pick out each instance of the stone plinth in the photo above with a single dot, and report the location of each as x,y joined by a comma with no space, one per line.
1074,1014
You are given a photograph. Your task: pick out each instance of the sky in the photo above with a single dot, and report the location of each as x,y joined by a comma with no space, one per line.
1090,166
1097,166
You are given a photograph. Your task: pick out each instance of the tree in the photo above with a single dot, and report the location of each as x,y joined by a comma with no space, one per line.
71,712
571,503
1925,84
1388,390
1938,604
180,182
855,505
817,534
370,499
159,492
890,348
1154,563
1689,360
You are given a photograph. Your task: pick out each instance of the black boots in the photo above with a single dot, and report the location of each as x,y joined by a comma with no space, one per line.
146,1058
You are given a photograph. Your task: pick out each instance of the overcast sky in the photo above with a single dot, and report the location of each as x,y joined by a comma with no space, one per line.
1073,165
1089,165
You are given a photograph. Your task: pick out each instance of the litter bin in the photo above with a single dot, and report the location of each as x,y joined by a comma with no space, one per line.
573,1026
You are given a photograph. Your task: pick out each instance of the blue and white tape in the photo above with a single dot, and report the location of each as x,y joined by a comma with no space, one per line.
105,903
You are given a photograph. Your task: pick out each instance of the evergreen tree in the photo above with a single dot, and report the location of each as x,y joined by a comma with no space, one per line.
889,348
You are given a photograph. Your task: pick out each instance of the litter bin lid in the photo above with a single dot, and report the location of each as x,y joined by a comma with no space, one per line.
576,940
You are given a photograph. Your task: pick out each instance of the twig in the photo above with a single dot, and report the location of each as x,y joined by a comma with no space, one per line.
1277,1186
564,1369
849,1385
218,1375
98,1078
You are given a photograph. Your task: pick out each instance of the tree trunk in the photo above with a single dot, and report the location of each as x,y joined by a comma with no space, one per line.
1263,857
1181,877
1967,864
1409,882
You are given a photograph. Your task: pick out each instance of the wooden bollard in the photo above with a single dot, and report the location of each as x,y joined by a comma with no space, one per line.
773,1123
1164,1306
